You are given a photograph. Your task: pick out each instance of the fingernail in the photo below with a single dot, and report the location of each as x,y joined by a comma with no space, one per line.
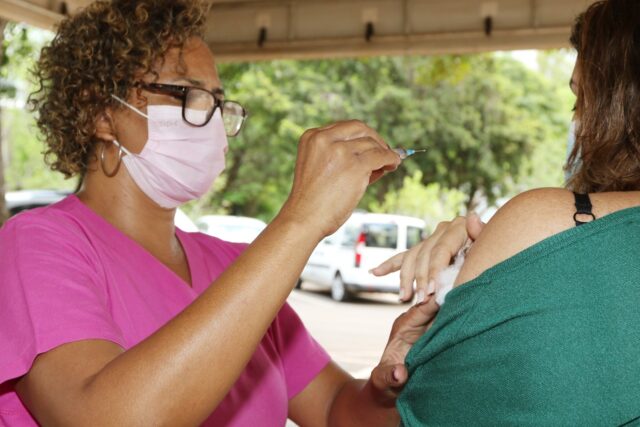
431,287
371,271
401,294
421,297
395,375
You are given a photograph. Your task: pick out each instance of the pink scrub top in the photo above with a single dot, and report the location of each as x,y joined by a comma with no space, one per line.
67,275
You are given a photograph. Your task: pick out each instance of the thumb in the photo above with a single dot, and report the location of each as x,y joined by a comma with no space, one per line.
474,225
420,315
386,377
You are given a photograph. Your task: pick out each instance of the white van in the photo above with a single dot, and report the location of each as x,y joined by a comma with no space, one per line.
240,229
341,262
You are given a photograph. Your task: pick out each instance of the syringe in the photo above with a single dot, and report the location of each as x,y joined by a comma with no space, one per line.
406,152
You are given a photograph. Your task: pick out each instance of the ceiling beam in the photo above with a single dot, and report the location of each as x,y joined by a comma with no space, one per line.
29,13
302,29
416,44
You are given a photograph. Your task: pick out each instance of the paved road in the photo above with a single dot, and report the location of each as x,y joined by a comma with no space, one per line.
353,333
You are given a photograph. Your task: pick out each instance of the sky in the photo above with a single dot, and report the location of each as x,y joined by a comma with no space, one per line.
527,57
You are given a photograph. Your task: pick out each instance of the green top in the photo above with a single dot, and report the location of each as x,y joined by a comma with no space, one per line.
548,337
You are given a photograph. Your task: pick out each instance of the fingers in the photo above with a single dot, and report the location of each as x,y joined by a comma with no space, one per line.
357,138
400,373
391,373
389,378
334,166
474,226
376,175
389,266
344,131
353,129
413,323
414,267
378,159
407,274
423,259
423,263
402,260
372,157
447,247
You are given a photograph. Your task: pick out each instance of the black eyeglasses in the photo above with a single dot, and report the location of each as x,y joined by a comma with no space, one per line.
199,105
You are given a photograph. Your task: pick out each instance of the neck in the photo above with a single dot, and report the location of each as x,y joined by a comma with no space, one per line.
120,202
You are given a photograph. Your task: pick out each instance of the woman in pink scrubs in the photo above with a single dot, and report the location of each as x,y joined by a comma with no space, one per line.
111,316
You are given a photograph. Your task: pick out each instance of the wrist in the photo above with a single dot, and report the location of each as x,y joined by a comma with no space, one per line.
300,223
360,404
383,398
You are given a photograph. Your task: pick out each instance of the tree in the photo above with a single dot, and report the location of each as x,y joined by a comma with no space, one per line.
490,126
479,117
429,202
23,166
482,119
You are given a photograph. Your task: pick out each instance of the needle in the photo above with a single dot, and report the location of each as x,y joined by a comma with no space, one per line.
406,152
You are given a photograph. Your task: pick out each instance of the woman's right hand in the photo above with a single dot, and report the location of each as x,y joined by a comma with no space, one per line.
335,165
425,261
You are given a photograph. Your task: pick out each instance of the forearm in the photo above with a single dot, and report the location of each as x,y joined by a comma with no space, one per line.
195,359
360,404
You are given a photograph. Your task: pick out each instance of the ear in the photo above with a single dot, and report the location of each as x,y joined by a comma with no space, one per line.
137,99
105,129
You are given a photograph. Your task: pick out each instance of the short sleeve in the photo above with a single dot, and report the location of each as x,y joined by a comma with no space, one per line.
50,291
302,356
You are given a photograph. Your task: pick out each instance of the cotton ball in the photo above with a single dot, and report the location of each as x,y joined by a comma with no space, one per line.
447,277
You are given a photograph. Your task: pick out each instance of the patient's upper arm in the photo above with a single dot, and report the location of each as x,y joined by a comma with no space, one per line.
526,220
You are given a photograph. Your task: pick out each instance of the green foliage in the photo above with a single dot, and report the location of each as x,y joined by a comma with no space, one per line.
27,169
482,128
431,202
21,144
491,127
544,168
16,58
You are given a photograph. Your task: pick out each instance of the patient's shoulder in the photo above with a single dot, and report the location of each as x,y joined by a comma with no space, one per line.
524,221
530,218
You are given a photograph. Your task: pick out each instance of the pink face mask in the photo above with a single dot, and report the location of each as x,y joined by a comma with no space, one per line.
179,162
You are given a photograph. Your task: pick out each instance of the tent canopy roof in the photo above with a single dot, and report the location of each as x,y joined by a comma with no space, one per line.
245,30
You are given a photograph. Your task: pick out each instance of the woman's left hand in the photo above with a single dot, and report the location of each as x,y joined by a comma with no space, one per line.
391,373
335,398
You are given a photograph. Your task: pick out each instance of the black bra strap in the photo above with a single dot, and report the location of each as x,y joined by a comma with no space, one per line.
583,207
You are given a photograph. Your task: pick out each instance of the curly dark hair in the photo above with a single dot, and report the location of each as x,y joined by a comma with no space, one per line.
607,150
102,50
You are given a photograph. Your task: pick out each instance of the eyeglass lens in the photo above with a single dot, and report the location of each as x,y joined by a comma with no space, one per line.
199,107
233,116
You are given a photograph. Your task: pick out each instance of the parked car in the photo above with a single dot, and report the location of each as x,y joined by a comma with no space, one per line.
18,201
240,229
341,262
184,223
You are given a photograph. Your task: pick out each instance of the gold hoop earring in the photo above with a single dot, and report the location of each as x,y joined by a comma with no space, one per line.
117,168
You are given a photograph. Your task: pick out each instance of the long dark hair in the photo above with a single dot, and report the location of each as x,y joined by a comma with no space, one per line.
607,150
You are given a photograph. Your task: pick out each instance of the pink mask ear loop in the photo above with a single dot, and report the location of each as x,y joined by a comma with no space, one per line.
121,147
123,102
